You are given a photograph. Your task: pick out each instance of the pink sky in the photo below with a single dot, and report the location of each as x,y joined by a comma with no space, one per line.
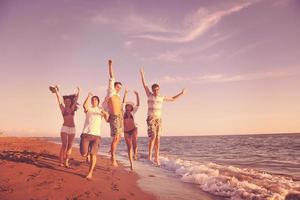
238,60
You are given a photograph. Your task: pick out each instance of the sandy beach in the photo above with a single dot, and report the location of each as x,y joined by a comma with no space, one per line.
29,170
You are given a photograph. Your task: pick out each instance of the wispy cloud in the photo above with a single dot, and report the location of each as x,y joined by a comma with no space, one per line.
100,18
201,23
192,27
178,54
128,44
247,48
133,23
223,78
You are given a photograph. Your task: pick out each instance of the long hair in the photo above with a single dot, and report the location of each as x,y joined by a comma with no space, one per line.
72,98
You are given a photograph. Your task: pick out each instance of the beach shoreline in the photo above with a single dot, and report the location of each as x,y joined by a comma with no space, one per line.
29,169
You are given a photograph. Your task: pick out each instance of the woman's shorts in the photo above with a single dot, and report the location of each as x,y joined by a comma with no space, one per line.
68,130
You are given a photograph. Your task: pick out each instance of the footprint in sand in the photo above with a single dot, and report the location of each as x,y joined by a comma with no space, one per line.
151,175
97,194
114,187
6,189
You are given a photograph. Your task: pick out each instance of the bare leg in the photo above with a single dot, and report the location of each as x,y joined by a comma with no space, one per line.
151,144
134,144
92,166
88,158
114,144
128,140
156,146
64,141
69,148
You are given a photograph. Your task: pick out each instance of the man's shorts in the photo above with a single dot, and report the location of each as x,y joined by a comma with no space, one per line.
116,125
154,126
89,144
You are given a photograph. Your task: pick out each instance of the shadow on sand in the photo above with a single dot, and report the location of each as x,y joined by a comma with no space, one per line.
41,160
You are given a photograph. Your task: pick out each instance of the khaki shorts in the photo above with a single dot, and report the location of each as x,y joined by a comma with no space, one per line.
89,144
154,126
116,125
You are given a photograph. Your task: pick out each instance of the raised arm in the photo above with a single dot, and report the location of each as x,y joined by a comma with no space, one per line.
144,82
59,99
86,104
125,94
111,71
76,98
137,98
175,97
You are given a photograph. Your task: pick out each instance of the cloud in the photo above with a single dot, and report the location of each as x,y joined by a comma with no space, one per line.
157,29
201,23
138,24
247,48
133,23
102,19
178,55
223,78
128,44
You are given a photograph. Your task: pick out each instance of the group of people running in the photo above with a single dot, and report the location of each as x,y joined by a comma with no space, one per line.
118,113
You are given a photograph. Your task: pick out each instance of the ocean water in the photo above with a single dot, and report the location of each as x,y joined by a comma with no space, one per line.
265,167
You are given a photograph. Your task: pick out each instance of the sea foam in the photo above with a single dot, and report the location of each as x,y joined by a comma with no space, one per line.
232,182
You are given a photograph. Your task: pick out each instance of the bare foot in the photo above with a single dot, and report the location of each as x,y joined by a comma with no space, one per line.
89,177
157,163
131,167
61,164
135,157
67,165
114,163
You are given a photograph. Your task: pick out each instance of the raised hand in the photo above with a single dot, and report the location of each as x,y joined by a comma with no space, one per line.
183,91
142,71
90,94
77,90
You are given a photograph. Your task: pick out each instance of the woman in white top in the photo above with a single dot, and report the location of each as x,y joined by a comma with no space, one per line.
130,127
68,106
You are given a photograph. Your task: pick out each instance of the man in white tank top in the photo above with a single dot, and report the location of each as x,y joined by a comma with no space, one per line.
154,121
91,135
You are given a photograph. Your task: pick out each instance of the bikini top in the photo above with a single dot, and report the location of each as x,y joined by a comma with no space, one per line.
66,113
128,116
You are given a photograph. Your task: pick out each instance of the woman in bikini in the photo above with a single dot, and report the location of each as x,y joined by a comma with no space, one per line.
130,127
68,106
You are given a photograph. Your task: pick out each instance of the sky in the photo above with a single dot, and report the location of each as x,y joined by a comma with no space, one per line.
237,59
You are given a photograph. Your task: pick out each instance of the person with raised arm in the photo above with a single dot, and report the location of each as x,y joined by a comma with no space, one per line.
68,106
113,105
91,135
130,127
154,120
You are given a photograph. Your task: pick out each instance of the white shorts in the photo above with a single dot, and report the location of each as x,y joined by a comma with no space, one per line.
68,130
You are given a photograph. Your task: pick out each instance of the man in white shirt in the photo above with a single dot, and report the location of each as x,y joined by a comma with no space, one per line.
113,105
91,135
154,121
